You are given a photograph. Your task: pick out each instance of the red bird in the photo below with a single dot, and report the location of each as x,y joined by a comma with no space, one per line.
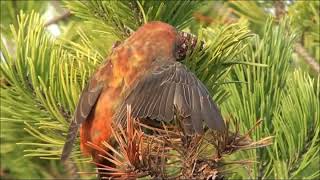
142,71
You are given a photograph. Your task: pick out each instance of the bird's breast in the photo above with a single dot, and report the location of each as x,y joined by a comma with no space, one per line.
120,74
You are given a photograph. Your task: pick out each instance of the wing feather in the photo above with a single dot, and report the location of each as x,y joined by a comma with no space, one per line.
169,108
169,88
196,111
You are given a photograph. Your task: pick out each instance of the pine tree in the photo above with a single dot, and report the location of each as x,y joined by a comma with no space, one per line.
260,62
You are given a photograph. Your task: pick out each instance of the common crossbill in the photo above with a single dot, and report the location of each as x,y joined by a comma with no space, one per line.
143,71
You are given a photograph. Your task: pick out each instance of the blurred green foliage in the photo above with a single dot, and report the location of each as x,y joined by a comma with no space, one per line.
10,10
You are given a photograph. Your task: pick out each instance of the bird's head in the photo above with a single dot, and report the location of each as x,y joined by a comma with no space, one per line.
185,41
163,40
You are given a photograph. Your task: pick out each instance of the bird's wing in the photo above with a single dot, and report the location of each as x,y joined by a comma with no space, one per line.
85,105
169,88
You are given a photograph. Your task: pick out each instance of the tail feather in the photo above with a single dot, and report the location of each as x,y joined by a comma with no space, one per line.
71,137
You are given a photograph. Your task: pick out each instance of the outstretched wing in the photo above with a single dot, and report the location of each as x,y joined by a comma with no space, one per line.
169,88
85,105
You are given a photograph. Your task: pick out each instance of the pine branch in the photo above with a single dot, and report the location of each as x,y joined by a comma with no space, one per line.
166,152
259,97
55,20
307,57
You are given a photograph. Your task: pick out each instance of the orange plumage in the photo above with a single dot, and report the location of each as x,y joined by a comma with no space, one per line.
127,62
143,72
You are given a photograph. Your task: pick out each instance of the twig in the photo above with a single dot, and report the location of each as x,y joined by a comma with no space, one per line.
298,47
311,61
63,16
279,9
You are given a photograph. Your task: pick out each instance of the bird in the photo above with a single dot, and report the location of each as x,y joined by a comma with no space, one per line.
145,72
